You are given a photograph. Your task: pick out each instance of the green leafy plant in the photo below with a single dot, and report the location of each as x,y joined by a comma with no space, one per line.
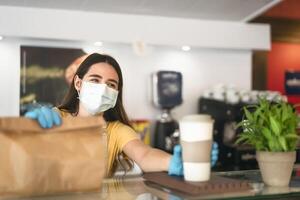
269,126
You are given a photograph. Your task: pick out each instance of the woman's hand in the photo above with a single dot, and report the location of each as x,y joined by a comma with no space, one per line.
47,117
176,162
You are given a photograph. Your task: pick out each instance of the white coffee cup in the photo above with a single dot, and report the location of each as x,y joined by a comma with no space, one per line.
196,134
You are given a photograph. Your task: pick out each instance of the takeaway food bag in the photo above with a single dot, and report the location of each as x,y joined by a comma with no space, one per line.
36,161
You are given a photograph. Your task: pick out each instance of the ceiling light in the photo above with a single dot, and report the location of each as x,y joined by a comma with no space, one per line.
1,37
98,44
186,48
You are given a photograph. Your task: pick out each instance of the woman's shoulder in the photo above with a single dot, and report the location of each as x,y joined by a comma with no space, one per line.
117,125
120,133
117,128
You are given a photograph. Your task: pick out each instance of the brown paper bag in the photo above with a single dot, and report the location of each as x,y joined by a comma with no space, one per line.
36,161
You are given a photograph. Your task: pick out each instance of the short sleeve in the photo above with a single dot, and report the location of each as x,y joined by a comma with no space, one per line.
122,134
126,134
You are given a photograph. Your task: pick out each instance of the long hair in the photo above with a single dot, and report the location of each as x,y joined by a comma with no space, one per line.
70,102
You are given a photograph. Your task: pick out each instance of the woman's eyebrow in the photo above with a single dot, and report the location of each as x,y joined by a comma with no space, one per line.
95,76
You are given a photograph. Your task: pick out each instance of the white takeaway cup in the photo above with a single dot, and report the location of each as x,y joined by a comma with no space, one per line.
196,136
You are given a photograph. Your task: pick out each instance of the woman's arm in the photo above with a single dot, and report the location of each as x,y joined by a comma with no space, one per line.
148,159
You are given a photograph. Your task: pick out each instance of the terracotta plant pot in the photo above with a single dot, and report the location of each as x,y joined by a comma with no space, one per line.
276,167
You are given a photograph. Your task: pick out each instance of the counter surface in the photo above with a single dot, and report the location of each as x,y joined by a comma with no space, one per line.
135,187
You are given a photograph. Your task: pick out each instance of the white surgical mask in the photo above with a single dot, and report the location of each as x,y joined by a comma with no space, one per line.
96,97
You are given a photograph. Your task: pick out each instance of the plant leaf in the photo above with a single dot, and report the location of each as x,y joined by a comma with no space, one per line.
267,133
275,126
291,136
285,114
282,143
271,145
248,114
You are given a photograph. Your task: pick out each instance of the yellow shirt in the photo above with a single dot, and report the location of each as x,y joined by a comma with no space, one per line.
118,135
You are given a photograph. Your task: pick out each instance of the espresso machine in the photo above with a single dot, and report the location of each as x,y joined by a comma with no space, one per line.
226,116
167,93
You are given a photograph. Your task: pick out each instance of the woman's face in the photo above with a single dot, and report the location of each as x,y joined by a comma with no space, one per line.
100,73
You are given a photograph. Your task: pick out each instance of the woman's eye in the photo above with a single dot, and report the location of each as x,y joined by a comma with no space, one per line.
94,81
112,85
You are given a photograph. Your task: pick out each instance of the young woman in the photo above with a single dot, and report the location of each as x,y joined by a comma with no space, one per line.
97,89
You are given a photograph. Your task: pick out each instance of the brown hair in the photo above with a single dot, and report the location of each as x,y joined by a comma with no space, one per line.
70,102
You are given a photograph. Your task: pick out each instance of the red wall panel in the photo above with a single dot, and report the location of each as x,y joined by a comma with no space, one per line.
282,57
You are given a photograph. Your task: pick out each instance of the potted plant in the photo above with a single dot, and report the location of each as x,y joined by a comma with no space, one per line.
271,128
